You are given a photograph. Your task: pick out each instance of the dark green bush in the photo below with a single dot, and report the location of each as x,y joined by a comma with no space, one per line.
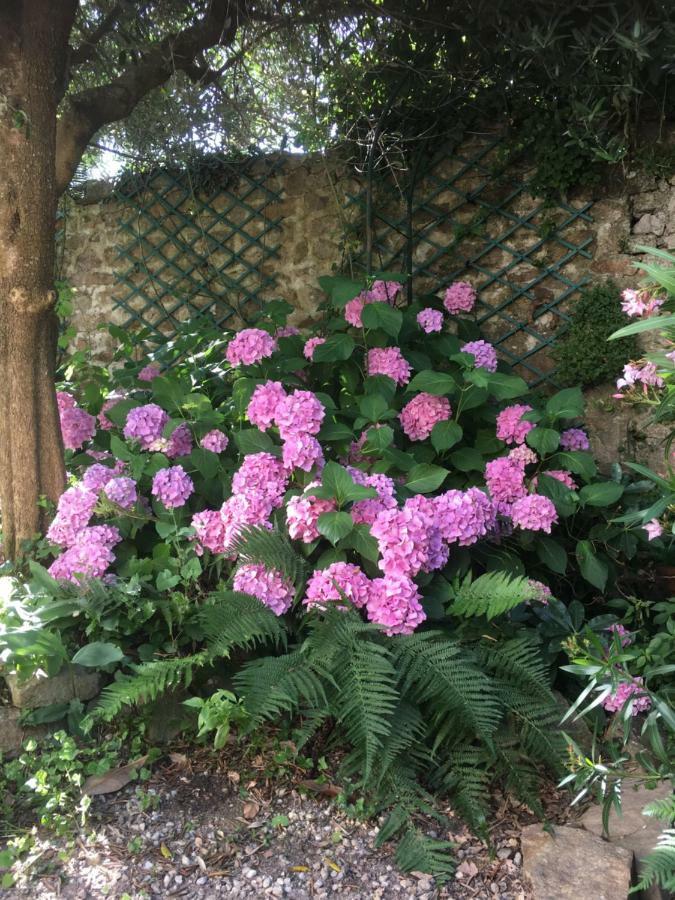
584,356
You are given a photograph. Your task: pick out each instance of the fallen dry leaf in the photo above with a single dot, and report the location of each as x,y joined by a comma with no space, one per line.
113,780
320,787
251,809
179,759
466,869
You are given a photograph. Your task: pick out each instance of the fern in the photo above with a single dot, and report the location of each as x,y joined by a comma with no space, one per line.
417,852
465,777
231,619
658,867
271,549
663,809
275,685
491,595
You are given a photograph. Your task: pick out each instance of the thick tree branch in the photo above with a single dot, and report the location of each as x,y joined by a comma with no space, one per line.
87,48
91,109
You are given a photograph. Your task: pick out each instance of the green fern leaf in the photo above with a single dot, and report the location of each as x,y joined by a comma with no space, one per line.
275,685
658,867
272,549
418,853
491,595
230,619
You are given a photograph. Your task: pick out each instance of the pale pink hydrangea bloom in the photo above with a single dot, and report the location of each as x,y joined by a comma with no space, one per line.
385,291
419,416
544,594
338,582
149,372
366,511
250,346
302,514
511,427
270,586
261,474
210,530
408,539
299,413
561,475
430,320
145,424
89,556
459,297
380,292
215,440
640,303
484,354
654,529
628,690
302,451
394,603
121,491
505,479
534,512
523,454
77,425
287,331
263,404
73,513
172,487
671,356
241,511
574,439
179,442
311,345
389,361
97,476
64,400
464,517
354,308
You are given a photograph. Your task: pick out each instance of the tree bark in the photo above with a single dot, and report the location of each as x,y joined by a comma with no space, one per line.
33,45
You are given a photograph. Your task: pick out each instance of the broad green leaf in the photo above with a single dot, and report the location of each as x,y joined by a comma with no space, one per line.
205,462
425,477
378,439
97,655
337,482
602,493
445,435
544,440
166,580
580,462
372,406
335,431
361,540
341,290
567,404
506,387
653,323
437,383
252,440
119,449
119,412
593,569
552,554
467,459
383,316
562,497
334,525
337,348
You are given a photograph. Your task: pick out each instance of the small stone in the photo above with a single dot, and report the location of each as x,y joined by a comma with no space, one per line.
72,683
504,853
11,732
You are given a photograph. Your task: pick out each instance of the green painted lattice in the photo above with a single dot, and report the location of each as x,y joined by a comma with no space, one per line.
470,215
196,242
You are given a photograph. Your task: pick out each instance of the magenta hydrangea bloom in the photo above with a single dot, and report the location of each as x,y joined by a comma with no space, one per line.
389,361
216,441
311,345
561,475
77,425
511,427
262,406
73,513
459,297
574,439
534,512
210,531
250,346
505,479
430,320
366,511
261,474
302,451
89,556
419,416
172,487
64,400
145,424
640,303
241,511
394,603
302,514
408,539
180,442
624,635
633,690
354,308
121,491
299,413
484,354
97,476
654,529
337,583
149,372
270,586
464,517
385,291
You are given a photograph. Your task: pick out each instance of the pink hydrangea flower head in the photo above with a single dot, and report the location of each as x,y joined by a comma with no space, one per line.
77,426
460,297
505,479
149,372
354,308
250,346
239,512
640,303
263,475
484,354
366,511
338,583
263,404
302,451
394,603
654,529
511,427
89,556
534,512
464,517
574,439
633,690
311,345
122,491
64,400
430,320
270,586
561,475
97,476
145,424
73,513
215,440
543,591
523,454
389,361
302,514
408,539
419,416
299,413
172,487
180,442
210,531
287,331
384,291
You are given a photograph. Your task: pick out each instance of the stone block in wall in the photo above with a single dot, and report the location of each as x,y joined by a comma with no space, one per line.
646,202
650,223
72,682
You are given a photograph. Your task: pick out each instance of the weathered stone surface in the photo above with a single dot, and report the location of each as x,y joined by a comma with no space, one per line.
650,224
11,732
573,864
72,682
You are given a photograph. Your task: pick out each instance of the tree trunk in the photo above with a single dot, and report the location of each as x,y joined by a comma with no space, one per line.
33,45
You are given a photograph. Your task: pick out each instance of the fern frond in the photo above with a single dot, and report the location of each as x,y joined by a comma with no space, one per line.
465,776
658,867
146,684
271,549
406,730
231,619
520,663
491,595
663,809
274,685
521,779
536,723
418,853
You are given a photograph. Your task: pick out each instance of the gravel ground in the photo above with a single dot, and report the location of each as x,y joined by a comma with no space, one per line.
199,832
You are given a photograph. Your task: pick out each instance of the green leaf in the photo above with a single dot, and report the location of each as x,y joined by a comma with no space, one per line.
166,580
337,482
562,497
602,493
205,462
119,412
278,311
445,435
437,383
98,655
543,440
425,477
43,579
467,459
383,316
372,406
378,439
337,348
552,554
473,397
334,525
335,431
593,569
191,570
580,462
119,449
252,440
506,387
653,323
341,290
567,404
361,540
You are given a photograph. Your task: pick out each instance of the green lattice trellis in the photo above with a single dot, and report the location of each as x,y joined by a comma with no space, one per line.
196,245
469,215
